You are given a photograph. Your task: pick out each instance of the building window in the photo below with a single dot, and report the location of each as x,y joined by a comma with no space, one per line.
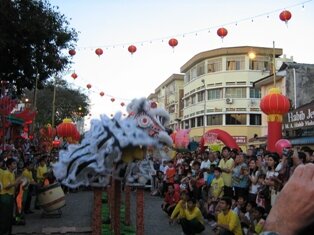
215,94
255,119
200,69
193,99
255,93
213,120
235,92
235,119
214,65
187,77
186,124
192,122
200,121
187,102
193,73
200,96
235,63
260,63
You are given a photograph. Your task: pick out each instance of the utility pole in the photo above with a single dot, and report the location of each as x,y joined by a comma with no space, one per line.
53,104
35,102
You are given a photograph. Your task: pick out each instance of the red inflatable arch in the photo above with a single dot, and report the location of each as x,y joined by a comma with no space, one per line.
220,135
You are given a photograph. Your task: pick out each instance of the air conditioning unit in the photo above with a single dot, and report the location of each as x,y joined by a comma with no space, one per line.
229,100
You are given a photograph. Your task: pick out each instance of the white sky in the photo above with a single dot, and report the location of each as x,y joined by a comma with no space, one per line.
104,23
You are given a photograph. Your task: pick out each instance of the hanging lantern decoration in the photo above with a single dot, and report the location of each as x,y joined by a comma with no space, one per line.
274,105
122,104
66,128
132,49
102,93
173,43
99,51
285,16
72,52
112,99
77,136
89,86
222,32
74,75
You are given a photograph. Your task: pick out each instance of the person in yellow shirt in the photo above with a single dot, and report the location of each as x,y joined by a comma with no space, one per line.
228,221
217,184
178,211
193,221
41,171
28,174
226,164
7,197
1,171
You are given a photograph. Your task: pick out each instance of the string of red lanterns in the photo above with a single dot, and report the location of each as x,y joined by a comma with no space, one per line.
284,15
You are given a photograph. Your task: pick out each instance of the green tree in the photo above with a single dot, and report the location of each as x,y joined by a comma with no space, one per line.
34,42
69,103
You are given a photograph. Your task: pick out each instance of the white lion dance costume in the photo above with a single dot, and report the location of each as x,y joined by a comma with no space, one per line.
103,148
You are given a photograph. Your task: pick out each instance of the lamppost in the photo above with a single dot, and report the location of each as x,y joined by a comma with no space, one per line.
204,121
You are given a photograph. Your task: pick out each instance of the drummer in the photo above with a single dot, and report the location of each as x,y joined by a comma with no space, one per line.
7,197
28,174
40,176
41,171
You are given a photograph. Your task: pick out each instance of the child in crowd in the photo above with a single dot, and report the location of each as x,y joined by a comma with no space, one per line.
217,184
262,191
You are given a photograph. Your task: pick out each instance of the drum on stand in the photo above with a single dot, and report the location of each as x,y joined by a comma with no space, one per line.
51,197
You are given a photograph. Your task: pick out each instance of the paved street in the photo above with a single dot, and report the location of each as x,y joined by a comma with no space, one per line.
75,218
77,214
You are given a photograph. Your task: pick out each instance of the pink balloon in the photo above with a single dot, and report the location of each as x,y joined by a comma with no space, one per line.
281,144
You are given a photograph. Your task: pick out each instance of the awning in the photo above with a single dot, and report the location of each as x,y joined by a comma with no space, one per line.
15,120
302,141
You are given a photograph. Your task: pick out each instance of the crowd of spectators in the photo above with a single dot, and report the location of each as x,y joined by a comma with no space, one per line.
24,168
230,191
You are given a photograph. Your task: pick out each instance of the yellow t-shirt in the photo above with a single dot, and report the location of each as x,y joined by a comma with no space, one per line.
178,211
216,187
28,174
227,177
196,213
41,170
232,220
1,173
7,179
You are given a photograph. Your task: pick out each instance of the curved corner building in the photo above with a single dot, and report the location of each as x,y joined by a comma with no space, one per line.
219,92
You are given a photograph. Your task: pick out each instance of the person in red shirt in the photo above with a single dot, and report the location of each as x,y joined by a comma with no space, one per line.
171,199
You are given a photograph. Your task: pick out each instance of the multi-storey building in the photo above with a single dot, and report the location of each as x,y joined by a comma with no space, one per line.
218,90
169,96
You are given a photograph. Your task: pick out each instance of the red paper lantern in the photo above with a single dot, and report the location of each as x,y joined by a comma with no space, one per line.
74,75
275,103
285,16
132,49
89,86
77,136
173,42
102,93
222,32
66,128
72,52
51,132
112,99
99,51
122,104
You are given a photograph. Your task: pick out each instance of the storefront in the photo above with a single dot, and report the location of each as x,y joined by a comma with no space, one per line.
298,125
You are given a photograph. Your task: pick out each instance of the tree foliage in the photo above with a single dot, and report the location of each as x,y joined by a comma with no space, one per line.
69,103
34,41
